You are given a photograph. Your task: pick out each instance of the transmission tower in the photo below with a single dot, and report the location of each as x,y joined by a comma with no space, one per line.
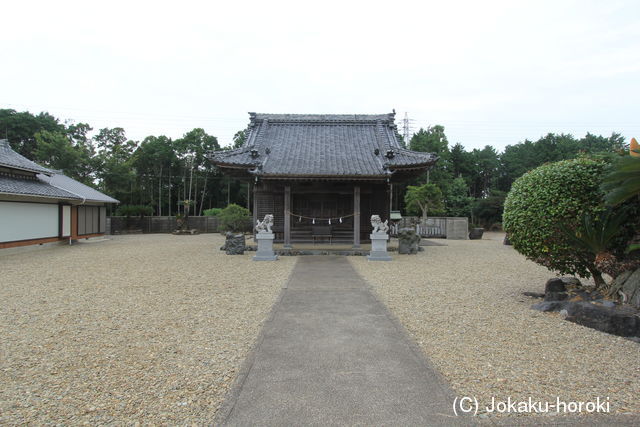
405,129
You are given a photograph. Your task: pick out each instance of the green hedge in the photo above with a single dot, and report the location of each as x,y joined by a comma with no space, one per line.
134,210
235,218
547,200
212,211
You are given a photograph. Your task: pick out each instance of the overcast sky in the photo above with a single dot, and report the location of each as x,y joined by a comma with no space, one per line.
490,72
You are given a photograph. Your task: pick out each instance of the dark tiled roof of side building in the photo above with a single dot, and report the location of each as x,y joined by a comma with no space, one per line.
77,188
32,186
13,160
21,176
322,145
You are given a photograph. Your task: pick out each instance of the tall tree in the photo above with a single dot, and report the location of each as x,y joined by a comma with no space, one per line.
20,129
116,176
457,200
434,140
55,150
423,198
239,138
486,165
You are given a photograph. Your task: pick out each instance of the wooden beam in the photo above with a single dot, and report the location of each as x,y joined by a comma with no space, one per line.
287,216
356,216
255,209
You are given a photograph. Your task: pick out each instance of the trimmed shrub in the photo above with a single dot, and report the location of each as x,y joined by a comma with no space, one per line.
134,210
234,218
212,211
548,200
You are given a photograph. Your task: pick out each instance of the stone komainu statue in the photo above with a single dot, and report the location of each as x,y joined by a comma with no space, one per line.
265,225
378,225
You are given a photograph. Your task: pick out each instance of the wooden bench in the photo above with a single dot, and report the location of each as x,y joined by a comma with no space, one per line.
321,231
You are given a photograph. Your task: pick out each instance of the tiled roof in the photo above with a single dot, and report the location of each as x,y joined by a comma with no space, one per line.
28,178
32,186
322,145
13,160
77,188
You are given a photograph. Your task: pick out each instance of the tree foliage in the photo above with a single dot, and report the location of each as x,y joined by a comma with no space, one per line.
234,218
159,171
550,199
424,198
623,182
457,200
487,211
134,210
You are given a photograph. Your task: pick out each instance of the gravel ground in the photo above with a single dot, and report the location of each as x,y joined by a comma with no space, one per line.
463,304
145,328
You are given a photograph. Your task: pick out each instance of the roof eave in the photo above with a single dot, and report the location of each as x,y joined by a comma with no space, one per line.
32,170
40,196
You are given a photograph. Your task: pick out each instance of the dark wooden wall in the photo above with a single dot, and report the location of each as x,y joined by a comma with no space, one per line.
322,199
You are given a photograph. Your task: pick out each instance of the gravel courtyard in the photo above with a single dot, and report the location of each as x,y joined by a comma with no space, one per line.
153,328
145,328
463,304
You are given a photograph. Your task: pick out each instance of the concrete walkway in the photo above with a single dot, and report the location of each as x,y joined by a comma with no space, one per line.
332,354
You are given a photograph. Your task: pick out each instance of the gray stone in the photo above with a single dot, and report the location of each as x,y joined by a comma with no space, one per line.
408,241
555,284
379,247
613,320
555,290
476,233
533,294
265,247
605,303
549,306
234,244
571,281
631,288
555,296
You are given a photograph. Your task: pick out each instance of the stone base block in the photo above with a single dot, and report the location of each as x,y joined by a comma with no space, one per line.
265,247
379,247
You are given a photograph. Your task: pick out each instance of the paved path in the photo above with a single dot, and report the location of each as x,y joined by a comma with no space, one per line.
332,354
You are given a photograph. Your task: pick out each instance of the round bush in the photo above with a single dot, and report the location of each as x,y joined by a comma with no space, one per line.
234,218
547,200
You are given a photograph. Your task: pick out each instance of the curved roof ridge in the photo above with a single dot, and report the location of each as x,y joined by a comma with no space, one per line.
354,118
9,158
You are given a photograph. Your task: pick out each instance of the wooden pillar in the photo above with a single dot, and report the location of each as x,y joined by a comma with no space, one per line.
249,195
356,216
287,216
255,209
387,214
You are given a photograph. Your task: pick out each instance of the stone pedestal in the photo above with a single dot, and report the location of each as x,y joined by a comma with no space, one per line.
379,247
265,247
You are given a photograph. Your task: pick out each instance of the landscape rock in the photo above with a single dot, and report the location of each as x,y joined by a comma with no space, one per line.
617,320
555,290
234,244
555,285
631,289
571,281
548,306
533,294
408,241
